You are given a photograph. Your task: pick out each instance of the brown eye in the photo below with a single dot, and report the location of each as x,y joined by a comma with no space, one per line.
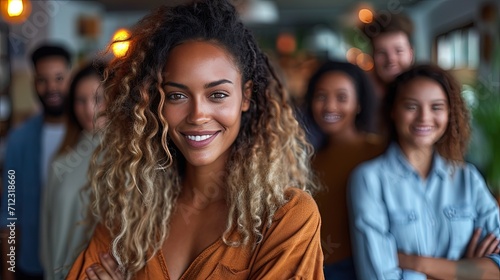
411,107
437,107
176,96
342,97
319,97
218,95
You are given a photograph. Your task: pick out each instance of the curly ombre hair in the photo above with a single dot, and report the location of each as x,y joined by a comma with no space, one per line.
137,171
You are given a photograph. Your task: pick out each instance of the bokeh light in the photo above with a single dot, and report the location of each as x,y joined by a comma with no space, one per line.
364,61
352,54
286,43
15,8
120,48
365,15
15,11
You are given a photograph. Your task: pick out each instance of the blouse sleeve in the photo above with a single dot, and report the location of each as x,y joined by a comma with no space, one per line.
374,247
45,218
488,213
99,243
291,247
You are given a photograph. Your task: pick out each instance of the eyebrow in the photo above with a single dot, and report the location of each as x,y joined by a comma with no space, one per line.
435,100
172,84
209,85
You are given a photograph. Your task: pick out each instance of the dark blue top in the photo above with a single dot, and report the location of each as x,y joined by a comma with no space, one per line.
22,157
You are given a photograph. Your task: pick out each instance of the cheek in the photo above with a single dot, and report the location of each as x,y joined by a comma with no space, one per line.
379,59
173,114
444,119
40,88
228,115
316,107
405,60
64,84
401,118
80,112
350,109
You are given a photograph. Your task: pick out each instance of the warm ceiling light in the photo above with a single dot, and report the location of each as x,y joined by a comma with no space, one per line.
120,44
364,61
15,11
286,43
15,8
352,54
365,16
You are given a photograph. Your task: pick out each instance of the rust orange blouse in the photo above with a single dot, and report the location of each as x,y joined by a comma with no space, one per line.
333,165
290,249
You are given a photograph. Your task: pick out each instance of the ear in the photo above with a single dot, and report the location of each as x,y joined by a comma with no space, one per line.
247,96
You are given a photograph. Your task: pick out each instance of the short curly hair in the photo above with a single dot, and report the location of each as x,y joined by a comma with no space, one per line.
384,23
454,142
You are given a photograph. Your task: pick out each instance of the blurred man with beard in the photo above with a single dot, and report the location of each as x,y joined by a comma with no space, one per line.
29,151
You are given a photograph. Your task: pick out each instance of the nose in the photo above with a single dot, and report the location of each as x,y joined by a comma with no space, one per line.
199,112
330,104
391,57
424,114
51,85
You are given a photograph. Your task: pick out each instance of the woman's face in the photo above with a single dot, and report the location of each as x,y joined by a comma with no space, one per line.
204,101
88,102
420,113
334,104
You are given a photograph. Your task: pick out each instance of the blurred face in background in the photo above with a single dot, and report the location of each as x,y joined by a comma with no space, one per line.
420,114
334,105
88,103
392,54
52,75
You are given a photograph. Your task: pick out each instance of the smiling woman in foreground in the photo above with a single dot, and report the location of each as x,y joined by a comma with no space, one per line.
204,171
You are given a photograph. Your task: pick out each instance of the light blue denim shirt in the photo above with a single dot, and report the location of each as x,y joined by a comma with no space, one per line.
392,209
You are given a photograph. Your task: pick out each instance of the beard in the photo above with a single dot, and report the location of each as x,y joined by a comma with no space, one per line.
52,110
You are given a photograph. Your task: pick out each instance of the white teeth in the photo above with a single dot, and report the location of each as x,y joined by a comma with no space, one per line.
423,128
331,117
198,138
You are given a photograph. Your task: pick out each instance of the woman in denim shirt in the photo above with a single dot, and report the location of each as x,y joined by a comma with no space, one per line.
419,211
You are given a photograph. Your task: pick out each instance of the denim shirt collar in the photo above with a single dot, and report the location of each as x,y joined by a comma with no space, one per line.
399,163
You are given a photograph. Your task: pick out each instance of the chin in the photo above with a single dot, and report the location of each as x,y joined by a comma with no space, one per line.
198,161
424,144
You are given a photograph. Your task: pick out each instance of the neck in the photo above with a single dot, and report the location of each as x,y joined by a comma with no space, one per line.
54,120
348,136
203,187
419,158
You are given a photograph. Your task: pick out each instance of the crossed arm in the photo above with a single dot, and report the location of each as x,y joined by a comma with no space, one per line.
474,266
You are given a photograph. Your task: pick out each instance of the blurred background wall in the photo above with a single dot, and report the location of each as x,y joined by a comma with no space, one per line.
295,33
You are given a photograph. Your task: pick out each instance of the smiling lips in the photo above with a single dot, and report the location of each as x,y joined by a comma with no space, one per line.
331,117
422,130
53,99
200,139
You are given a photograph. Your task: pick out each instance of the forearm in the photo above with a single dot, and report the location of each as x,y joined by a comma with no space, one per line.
476,268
